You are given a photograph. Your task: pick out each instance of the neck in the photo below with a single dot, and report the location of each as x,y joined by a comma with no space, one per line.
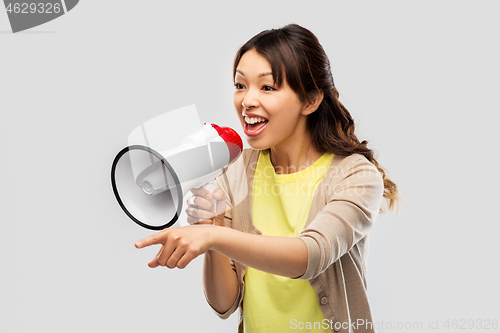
293,156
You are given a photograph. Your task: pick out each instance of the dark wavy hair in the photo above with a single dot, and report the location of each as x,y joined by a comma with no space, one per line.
296,54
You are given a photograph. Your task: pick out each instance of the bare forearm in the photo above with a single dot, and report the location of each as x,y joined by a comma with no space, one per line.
219,281
285,256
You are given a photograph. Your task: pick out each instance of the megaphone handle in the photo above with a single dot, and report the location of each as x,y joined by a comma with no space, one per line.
211,186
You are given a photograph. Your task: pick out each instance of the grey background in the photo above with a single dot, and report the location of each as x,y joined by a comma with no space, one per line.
420,78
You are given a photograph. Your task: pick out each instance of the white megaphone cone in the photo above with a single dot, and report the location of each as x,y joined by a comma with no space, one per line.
150,185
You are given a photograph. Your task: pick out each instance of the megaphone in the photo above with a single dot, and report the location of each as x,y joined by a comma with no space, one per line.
149,185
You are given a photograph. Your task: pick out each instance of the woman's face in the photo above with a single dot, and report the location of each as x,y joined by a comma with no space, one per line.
272,116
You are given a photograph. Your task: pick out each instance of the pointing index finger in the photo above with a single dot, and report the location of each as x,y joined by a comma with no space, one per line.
150,240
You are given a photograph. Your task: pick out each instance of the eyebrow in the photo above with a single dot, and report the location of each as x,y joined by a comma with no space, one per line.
260,75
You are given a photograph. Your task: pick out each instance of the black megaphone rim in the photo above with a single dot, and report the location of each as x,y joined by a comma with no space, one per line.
167,165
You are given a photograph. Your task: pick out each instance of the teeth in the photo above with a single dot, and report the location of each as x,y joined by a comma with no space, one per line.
254,120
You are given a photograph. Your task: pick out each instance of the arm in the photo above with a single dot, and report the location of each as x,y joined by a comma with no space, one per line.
347,217
278,255
353,205
221,287
349,214
220,284
286,256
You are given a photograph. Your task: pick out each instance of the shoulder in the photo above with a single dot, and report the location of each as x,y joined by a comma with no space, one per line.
354,171
345,166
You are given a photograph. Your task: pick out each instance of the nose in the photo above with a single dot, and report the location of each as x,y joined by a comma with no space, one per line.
251,99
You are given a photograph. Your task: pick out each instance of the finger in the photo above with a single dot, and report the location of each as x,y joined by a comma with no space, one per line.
175,256
154,263
192,220
186,259
202,192
170,247
219,195
201,202
199,213
158,238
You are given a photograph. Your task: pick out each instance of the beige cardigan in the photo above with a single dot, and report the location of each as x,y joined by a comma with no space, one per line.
344,208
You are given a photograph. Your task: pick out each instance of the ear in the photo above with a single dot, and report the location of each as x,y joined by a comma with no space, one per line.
313,104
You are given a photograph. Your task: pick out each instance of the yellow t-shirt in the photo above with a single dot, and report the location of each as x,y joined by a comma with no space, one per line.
280,206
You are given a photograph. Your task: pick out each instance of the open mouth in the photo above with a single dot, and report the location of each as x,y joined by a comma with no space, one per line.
255,124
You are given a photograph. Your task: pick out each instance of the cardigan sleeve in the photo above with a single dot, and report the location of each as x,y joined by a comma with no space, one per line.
354,197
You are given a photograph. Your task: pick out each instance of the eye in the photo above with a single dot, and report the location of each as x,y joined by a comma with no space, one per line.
268,88
239,86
